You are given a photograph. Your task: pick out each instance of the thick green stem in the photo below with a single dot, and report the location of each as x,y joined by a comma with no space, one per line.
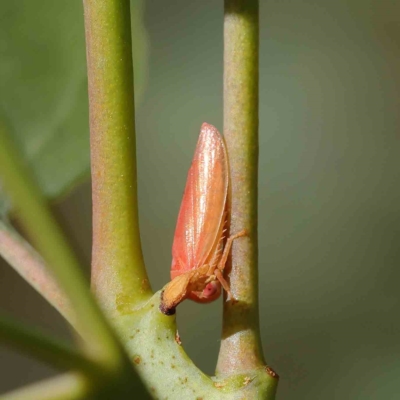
35,343
37,220
119,277
31,266
241,345
71,386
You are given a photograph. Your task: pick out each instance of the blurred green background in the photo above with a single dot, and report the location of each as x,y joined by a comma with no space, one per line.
329,205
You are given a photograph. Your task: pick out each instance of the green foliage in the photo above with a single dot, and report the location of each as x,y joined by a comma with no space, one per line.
4,205
43,86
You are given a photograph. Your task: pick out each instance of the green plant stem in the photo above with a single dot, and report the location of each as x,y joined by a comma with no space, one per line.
119,277
241,345
31,266
35,343
152,341
37,220
70,386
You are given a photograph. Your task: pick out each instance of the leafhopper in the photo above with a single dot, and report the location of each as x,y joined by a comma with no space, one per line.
200,248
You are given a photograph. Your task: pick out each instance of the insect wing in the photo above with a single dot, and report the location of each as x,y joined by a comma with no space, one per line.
201,215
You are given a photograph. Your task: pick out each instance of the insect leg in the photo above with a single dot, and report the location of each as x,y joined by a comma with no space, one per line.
227,249
223,282
224,257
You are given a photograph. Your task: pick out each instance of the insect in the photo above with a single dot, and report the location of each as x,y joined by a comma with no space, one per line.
200,248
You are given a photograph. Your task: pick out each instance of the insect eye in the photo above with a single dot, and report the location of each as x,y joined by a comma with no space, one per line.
210,290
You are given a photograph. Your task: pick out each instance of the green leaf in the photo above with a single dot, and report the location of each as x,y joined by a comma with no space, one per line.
43,86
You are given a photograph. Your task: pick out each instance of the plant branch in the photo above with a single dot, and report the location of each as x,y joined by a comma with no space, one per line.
241,345
119,277
45,348
70,386
37,220
153,343
31,266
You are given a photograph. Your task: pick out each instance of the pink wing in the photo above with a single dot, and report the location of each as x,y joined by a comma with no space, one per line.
202,210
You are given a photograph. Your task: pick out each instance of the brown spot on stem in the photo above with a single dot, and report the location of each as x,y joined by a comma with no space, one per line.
183,381
137,360
271,372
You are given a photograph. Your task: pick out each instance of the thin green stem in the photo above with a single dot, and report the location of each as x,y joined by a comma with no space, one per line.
70,386
241,345
119,276
46,235
37,344
30,265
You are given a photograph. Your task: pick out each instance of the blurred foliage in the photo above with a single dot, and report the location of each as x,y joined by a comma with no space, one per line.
43,86
4,205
